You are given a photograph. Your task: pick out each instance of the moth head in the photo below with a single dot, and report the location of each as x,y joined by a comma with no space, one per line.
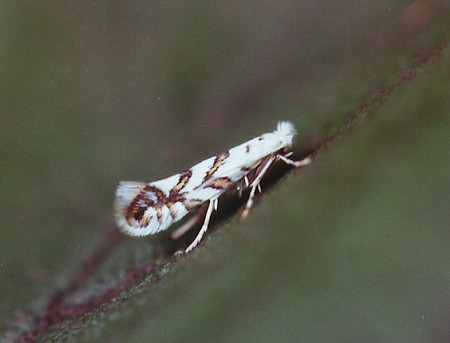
280,139
285,132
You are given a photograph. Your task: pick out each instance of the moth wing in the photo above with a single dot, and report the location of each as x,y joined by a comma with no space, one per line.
231,173
126,194
126,191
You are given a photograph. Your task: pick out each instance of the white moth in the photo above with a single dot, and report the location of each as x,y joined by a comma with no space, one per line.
146,208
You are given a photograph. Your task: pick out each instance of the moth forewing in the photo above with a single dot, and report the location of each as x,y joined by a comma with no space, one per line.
126,192
147,208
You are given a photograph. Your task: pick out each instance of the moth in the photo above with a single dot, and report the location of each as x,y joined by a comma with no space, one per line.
147,208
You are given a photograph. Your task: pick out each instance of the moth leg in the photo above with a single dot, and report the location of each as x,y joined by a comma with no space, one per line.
240,185
216,204
240,189
187,226
211,206
255,185
296,164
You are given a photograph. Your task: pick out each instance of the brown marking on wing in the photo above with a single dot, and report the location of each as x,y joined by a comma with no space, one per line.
184,178
174,194
159,213
144,221
220,183
193,203
160,196
247,148
176,197
172,209
138,212
188,204
142,202
138,206
220,159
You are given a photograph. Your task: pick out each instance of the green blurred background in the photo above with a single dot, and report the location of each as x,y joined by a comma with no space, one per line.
353,249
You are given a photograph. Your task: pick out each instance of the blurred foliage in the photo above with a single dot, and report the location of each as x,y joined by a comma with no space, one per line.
353,248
